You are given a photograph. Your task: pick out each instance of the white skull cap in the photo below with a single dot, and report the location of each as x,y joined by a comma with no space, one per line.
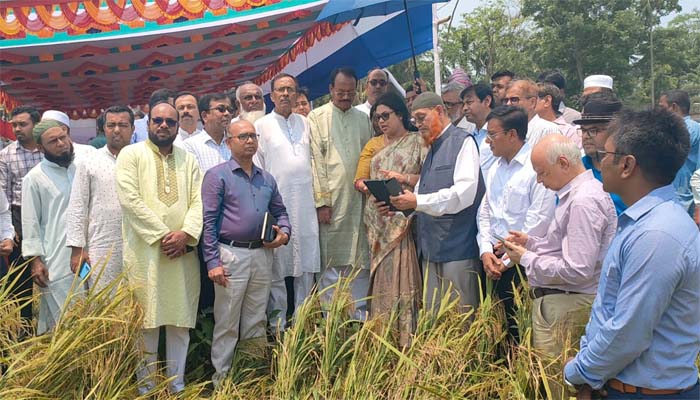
57,116
604,81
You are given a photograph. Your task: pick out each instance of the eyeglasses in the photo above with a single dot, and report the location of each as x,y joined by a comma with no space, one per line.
603,153
591,132
287,89
112,125
250,97
243,137
383,116
492,135
158,121
417,119
514,99
222,109
378,82
450,104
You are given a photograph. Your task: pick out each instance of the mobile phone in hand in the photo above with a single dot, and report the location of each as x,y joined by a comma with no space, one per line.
498,237
84,270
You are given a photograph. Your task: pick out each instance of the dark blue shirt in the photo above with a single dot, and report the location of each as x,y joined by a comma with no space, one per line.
620,207
235,205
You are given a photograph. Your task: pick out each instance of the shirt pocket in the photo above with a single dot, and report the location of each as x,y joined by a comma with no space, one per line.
517,199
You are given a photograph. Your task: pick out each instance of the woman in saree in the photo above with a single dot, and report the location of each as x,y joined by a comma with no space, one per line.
395,278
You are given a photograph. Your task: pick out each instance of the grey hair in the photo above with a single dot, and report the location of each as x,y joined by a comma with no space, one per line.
453,87
565,148
238,89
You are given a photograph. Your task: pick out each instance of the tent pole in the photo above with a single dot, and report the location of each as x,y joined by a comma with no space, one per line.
436,56
416,75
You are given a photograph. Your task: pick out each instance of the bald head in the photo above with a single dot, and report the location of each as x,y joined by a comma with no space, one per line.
243,141
556,160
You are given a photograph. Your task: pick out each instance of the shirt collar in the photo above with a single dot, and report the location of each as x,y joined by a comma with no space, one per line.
234,165
155,148
651,200
205,137
280,116
523,154
20,147
585,176
105,150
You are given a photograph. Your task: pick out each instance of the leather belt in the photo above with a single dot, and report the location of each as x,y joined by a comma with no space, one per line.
255,244
537,292
625,388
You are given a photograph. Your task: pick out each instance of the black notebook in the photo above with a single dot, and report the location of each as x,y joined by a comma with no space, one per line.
268,233
382,189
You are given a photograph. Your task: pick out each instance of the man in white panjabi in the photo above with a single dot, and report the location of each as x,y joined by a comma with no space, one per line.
94,215
283,151
159,188
45,192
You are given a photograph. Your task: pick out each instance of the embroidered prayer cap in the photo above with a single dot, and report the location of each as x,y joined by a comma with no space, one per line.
426,100
43,126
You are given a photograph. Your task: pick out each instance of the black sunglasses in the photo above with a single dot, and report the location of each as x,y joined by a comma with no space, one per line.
222,109
169,121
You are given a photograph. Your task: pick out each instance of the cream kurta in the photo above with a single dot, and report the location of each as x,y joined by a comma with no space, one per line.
337,138
283,151
160,195
94,217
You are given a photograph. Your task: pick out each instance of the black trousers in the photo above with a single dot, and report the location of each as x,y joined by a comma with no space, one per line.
503,288
23,287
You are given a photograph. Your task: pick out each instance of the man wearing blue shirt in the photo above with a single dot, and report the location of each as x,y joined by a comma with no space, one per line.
643,336
595,117
678,102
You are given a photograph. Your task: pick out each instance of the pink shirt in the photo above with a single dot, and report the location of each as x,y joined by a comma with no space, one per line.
568,130
570,255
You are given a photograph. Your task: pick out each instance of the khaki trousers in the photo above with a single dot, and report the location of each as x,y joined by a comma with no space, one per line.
239,308
556,319
463,275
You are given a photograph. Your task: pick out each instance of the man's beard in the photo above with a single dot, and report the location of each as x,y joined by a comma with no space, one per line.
161,142
63,160
252,116
435,129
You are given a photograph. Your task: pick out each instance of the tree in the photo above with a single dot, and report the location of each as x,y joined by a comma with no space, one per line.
492,37
583,37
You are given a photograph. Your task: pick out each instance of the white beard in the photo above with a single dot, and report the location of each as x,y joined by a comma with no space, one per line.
252,116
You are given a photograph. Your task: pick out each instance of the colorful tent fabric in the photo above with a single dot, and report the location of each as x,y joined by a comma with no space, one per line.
80,56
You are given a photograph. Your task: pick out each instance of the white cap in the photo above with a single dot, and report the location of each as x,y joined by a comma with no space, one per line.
57,116
603,81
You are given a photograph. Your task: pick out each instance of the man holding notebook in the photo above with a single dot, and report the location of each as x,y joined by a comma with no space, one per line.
237,196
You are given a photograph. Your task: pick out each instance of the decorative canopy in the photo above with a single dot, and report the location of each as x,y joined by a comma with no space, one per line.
80,56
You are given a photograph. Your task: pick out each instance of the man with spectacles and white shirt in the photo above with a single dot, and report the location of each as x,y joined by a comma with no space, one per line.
284,152
249,99
523,93
514,201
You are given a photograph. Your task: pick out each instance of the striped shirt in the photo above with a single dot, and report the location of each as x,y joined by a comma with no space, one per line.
15,162
205,150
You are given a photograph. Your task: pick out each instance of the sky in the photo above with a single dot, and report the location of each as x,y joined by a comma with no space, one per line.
465,6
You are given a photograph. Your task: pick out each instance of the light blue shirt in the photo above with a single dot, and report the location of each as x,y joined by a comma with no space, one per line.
684,195
140,130
645,321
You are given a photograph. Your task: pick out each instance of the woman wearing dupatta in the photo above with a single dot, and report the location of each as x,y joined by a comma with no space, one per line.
395,278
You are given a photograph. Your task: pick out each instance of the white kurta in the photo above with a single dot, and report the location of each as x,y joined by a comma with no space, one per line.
283,151
94,217
45,193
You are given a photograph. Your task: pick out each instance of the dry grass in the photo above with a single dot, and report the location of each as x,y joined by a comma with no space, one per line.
94,351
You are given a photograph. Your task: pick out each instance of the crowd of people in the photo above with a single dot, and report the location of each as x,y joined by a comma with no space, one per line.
500,181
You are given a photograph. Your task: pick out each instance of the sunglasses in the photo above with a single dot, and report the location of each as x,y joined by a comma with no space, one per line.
158,121
514,99
378,82
383,116
222,109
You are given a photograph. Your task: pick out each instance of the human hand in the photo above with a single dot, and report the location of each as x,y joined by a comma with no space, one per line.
360,186
492,265
77,257
280,239
393,174
40,274
517,237
6,247
174,244
515,251
405,201
383,208
324,214
219,275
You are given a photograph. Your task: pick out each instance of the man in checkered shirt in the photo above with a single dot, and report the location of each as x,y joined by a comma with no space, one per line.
15,161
